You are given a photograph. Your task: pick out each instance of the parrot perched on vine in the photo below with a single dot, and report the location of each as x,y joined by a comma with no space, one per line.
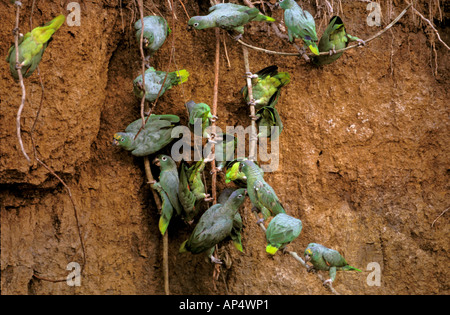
214,226
32,47
266,85
323,258
268,117
156,31
155,136
282,230
228,16
154,83
334,38
191,189
168,180
261,194
200,111
299,23
237,220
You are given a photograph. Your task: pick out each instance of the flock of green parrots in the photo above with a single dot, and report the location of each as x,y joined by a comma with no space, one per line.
181,188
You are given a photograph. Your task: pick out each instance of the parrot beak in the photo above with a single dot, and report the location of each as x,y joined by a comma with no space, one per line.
115,142
156,162
307,258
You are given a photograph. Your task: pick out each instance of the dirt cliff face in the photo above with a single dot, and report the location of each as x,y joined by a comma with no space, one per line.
363,155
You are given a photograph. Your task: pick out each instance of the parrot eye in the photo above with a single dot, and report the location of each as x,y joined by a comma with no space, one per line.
196,24
164,158
240,196
123,139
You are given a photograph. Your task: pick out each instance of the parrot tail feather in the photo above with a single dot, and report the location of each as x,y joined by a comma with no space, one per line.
238,246
264,18
284,77
163,224
348,267
182,75
271,249
183,247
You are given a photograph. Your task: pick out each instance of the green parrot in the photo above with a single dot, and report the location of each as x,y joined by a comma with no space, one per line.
214,226
268,117
237,220
168,180
166,209
32,47
261,194
282,230
234,173
156,31
334,38
191,189
156,135
200,111
323,258
154,83
228,16
266,85
299,23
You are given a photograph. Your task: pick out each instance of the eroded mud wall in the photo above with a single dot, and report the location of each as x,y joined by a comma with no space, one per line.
363,156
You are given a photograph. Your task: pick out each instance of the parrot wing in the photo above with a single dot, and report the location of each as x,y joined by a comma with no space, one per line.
333,258
268,118
268,198
166,212
185,195
208,232
236,231
169,182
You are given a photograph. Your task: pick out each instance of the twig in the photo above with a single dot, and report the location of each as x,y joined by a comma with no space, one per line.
141,49
148,172
253,136
439,216
184,8
22,85
431,24
302,262
337,51
150,180
216,272
171,8
226,52
214,113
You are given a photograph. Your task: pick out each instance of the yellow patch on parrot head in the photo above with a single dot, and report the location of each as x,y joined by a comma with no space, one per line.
308,252
117,139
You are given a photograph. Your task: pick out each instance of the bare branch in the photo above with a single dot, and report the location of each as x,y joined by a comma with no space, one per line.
431,24
337,51
22,85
